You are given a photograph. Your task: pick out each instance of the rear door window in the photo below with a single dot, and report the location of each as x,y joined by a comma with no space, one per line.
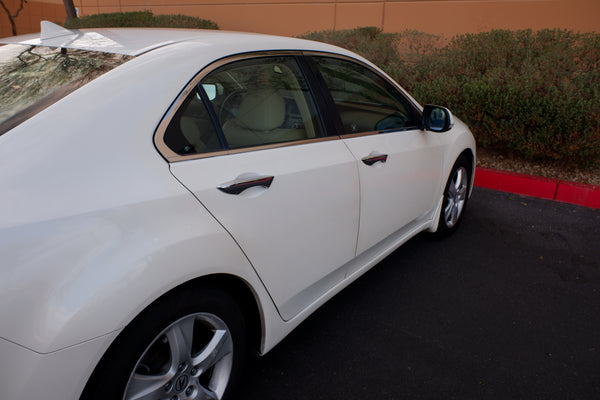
263,101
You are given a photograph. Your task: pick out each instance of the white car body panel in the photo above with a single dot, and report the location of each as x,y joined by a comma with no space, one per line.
111,266
31,375
297,253
95,225
400,190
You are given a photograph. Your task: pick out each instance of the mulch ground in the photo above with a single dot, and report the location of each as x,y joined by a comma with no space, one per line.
508,162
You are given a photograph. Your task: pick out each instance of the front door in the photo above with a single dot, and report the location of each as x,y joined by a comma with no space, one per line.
399,165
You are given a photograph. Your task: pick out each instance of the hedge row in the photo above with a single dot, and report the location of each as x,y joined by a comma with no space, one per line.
534,93
139,19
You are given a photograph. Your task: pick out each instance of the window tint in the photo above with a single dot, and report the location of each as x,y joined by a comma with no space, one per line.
191,130
262,101
365,101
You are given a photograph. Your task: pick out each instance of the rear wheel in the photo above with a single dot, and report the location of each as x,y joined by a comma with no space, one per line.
188,346
456,195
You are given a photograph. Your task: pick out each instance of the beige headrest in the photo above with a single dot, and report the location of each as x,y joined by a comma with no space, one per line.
261,110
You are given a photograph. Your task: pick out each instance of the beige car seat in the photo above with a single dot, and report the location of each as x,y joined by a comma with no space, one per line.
258,121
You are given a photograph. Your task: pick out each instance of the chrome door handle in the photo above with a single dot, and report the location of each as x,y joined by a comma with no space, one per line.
372,159
237,187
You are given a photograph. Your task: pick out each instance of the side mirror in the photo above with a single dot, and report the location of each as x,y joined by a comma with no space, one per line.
437,119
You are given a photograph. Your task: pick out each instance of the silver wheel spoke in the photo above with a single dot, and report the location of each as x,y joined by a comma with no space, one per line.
219,346
206,394
455,213
459,179
180,338
448,210
452,190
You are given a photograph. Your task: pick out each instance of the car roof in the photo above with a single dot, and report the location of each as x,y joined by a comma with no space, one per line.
136,41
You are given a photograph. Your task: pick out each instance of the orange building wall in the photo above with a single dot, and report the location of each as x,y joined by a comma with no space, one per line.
294,17
29,18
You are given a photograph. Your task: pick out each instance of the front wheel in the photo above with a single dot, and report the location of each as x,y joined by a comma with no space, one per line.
456,195
189,346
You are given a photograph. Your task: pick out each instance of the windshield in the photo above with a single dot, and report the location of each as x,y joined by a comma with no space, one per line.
34,77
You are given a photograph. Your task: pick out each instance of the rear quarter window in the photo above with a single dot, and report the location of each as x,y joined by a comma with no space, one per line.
35,77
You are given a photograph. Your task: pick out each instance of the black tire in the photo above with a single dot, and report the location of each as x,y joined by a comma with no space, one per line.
456,197
190,319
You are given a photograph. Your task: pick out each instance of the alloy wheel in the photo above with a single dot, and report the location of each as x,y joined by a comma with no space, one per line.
189,360
456,196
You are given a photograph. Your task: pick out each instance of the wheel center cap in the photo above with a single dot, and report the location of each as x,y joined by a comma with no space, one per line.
181,383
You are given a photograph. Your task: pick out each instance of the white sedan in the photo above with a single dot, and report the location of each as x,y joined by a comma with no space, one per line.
174,201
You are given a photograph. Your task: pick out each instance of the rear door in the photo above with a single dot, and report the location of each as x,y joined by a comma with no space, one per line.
258,159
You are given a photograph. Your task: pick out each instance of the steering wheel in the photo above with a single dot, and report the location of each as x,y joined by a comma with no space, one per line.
392,121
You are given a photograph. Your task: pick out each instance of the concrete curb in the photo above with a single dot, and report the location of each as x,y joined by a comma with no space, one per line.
528,185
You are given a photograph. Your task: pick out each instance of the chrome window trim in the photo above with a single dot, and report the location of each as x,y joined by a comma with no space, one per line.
210,154
368,133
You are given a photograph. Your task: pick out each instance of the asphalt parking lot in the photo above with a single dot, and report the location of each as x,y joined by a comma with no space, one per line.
507,308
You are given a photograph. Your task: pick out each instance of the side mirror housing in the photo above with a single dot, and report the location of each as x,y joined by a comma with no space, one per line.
437,119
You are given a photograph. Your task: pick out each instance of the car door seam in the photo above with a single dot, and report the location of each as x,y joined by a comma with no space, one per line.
357,166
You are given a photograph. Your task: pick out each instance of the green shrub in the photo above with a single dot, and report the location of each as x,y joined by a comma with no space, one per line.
396,53
534,93
139,19
381,48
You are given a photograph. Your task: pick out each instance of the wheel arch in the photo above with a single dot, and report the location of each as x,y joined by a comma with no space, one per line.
469,156
239,290
244,296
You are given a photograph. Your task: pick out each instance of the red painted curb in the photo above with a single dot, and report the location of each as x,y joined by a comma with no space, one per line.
579,193
513,182
535,186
